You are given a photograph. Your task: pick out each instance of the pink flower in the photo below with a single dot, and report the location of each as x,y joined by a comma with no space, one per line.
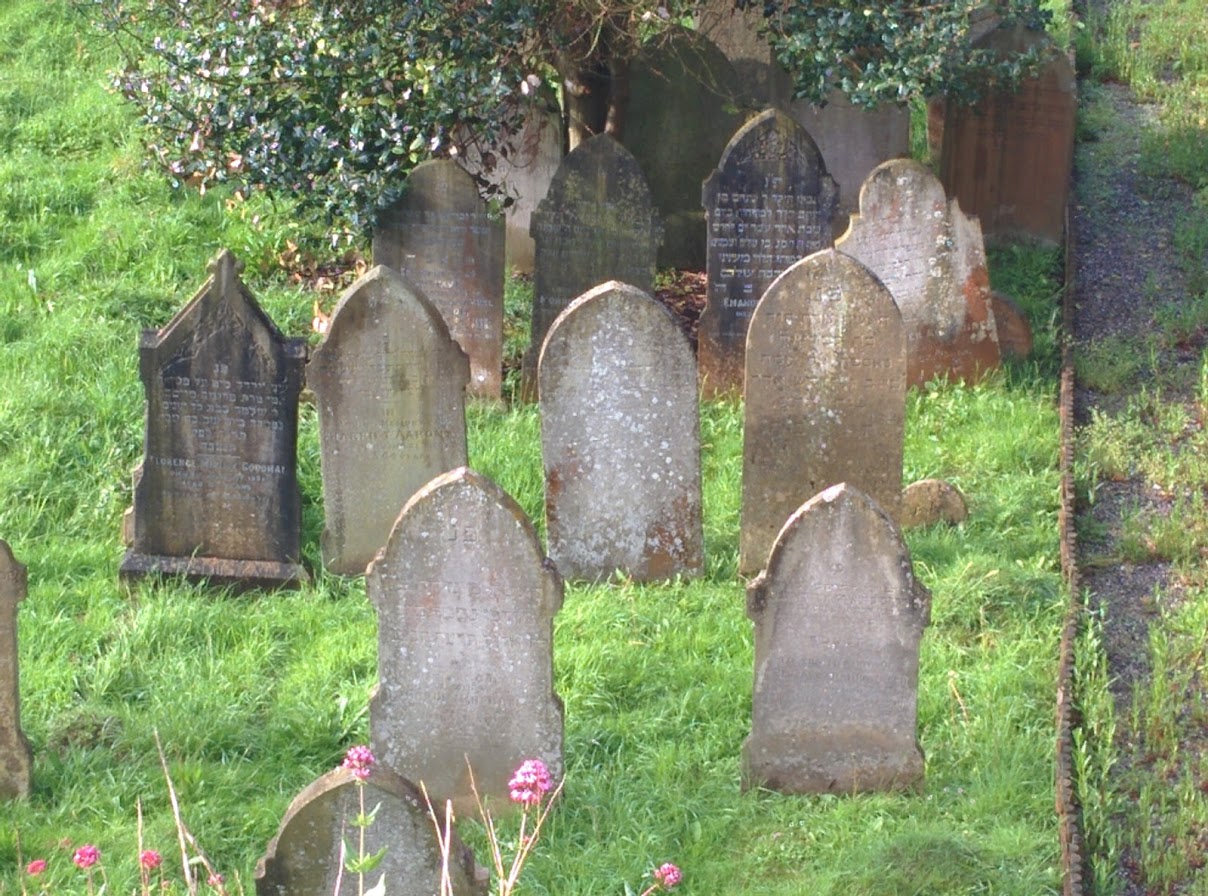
215,880
86,856
149,859
359,760
36,867
668,875
530,783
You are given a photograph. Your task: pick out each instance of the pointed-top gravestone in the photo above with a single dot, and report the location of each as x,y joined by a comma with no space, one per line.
932,258
390,386
826,396
216,496
838,617
465,601
16,760
620,439
440,236
596,224
769,204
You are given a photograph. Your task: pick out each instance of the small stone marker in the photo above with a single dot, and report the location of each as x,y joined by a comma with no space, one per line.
931,501
16,760
933,259
596,224
1011,324
768,204
838,618
465,601
620,439
441,238
304,858
216,495
826,396
390,387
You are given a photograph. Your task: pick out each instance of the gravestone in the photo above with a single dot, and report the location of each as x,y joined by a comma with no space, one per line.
304,858
596,224
768,204
932,258
931,501
216,495
441,238
390,387
838,618
683,107
826,396
16,760
620,439
465,601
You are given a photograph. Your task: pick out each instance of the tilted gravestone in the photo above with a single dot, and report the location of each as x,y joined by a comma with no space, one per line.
768,204
465,601
596,224
620,439
838,618
932,258
304,858
826,396
390,388
16,760
440,236
216,495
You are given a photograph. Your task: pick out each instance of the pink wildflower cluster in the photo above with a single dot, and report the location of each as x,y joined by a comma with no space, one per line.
86,856
530,783
36,867
149,859
668,875
359,761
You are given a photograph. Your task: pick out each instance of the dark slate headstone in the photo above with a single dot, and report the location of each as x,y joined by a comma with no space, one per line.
216,495
16,760
838,618
620,439
769,204
390,387
440,236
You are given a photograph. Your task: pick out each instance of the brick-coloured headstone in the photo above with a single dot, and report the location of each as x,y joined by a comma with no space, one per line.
596,224
932,258
16,760
769,204
304,858
620,439
465,600
216,495
826,396
390,387
838,617
440,236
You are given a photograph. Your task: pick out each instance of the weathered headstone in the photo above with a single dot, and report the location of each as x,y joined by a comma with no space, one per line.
768,204
620,439
16,760
390,387
826,396
441,238
596,224
932,258
304,859
216,495
465,602
838,618
931,501
736,32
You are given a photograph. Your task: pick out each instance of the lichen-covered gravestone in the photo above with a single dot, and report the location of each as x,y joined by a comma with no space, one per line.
838,618
620,439
768,204
933,259
826,395
440,236
390,386
216,495
465,601
16,761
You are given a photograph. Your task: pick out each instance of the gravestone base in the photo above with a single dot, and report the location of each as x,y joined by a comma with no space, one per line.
242,575
853,759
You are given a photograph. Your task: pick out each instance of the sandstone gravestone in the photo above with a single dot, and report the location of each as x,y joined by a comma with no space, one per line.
465,601
932,258
768,204
390,388
304,858
931,501
620,439
596,224
826,396
216,495
441,238
16,760
838,617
